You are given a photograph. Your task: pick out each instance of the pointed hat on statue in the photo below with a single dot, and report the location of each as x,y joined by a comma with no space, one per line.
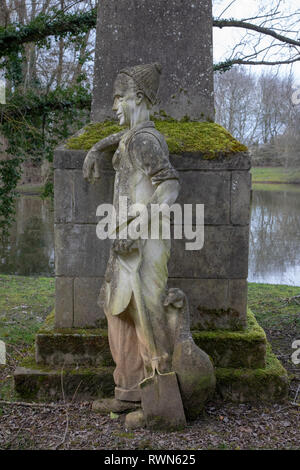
146,77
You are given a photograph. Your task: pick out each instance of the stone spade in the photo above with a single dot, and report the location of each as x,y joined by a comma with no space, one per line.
193,367
161,402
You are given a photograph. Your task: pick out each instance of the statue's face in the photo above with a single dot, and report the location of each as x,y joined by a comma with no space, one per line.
126,100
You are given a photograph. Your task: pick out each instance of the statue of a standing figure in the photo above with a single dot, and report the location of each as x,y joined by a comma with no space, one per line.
135,289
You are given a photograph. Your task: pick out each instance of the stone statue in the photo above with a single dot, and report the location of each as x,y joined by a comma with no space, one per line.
134,296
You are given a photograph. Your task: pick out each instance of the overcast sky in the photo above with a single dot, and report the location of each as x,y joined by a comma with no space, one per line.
226,38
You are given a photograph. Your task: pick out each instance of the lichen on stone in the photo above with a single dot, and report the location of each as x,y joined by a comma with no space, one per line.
208,139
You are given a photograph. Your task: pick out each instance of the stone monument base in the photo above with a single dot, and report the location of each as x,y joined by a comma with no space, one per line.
74,364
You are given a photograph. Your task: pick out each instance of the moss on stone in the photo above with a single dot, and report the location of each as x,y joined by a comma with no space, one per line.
48,328
44,383
208,139
246,348
262,384
252,332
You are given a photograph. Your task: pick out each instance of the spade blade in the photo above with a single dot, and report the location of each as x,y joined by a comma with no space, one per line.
161,402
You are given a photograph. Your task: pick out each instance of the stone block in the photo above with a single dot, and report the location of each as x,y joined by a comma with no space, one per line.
235,349
79,252
41,383
223,256
87,197
195,161
76,200
59,346
136,33
240,197
215,303
64,302
73,347
87,313
209,188
270,384
237,295
63,196
65,159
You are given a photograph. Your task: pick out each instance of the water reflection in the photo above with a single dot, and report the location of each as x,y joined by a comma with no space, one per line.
274,240
275,237
31,246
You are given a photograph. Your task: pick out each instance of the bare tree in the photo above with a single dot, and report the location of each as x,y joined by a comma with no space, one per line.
271,38
258,110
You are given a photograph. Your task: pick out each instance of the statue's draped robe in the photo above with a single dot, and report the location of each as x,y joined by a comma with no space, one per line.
135,283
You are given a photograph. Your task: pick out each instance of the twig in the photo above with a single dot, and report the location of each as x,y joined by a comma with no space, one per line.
62,382
296,396
66,431
75,393
67,409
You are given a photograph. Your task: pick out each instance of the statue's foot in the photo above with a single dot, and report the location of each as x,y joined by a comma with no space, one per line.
106,405
135,420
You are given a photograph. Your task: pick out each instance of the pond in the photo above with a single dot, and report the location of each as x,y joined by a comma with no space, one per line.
31,246
274,255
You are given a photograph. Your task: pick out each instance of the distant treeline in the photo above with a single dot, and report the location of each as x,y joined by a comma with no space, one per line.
259,111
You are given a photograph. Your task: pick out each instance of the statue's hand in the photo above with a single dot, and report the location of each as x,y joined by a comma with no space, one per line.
91,166
123,247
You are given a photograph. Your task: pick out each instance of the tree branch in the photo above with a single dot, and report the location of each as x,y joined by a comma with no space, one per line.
260,29
23,106
224,66
14,36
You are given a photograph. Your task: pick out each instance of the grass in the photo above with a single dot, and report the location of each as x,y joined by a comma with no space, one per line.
291,188
278,312
275,175
269,304
24,304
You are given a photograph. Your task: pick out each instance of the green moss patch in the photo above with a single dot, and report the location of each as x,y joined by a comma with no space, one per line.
253,332
206,138
266,384
245,348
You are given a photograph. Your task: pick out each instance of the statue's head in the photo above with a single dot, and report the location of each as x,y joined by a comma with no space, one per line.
135,88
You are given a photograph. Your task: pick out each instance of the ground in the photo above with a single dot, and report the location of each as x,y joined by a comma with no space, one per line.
23,308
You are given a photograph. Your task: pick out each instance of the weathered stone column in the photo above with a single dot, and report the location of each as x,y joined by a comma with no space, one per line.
175,33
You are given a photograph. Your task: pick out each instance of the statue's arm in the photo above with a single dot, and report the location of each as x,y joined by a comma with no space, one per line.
92,161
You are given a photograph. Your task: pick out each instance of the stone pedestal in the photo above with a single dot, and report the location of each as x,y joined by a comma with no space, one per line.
213,278
177,34
73,349
246,370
